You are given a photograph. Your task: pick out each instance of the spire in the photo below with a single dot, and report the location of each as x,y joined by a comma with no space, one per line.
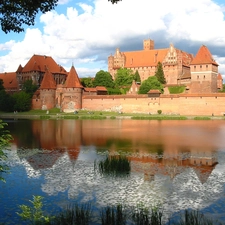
203,57
48,81
73,80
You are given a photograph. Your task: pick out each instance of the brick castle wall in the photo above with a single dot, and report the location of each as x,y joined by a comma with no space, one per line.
185,104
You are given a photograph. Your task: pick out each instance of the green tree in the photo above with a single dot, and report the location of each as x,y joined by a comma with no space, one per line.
6,100
16,13
2,85
124,77
5,139
160,74
150,84
22,101
87,82
103,78
114,1
29,87
137,77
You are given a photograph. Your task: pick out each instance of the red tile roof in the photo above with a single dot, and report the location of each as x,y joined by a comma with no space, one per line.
41,63
186,58
203,56
9,79
152,57
73,80
154,91
90,89
144,58
48,81
101,88
20,69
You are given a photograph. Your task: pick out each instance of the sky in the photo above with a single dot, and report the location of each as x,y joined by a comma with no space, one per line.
84,33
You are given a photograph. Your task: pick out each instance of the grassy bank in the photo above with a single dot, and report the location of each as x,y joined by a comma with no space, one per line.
85,114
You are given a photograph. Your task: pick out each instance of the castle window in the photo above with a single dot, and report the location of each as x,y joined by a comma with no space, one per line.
204,76
206,66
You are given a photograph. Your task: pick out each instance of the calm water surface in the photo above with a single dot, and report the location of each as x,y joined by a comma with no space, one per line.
174,164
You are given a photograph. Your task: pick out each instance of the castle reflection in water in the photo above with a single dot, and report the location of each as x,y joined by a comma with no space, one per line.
154,147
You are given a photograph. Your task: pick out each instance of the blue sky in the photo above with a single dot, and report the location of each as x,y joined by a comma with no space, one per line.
85,33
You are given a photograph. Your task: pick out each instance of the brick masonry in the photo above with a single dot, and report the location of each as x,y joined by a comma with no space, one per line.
185,104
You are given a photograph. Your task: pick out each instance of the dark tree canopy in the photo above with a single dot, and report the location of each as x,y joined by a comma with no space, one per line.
103,78
1,85
16,13
22,101
29,87
114,1
87,82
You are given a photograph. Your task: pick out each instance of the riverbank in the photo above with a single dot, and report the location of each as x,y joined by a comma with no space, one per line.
83,114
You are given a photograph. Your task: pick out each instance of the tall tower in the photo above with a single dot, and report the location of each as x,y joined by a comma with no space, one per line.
148,44
204,72
47,91
72,92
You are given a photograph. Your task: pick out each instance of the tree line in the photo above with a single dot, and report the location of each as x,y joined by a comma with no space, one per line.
123,80
18,101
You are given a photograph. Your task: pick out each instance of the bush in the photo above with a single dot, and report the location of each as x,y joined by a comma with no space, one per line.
159,111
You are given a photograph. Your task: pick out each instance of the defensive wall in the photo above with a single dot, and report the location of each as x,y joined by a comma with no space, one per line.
183,104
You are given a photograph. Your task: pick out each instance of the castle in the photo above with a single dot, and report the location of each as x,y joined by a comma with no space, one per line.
199,74
62,89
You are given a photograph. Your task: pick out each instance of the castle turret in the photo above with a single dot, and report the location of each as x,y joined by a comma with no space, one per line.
47,91
72,92
204,72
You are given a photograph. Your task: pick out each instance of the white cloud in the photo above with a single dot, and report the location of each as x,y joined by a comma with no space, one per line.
7,46
87,31
63,2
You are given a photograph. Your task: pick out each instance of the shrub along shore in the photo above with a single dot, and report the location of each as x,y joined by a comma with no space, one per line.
85,114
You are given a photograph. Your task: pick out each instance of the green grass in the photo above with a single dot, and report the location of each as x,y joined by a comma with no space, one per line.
202,118
176,89
97,115
159,117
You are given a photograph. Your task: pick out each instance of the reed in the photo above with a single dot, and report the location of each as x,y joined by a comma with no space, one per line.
113,215
114,165
146,216
193,217
74,215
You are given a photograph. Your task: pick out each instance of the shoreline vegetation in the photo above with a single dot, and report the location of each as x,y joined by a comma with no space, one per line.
86,114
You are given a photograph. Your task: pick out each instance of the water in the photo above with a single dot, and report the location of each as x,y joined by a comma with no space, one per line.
174,164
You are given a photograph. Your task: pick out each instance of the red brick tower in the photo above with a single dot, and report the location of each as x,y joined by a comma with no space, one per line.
72,92
47,91
204,72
